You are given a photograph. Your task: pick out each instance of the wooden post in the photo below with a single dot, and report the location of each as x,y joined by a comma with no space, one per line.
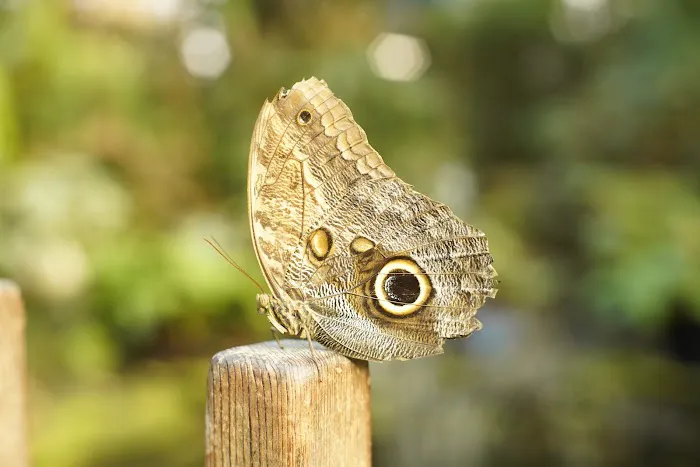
13,421
271,407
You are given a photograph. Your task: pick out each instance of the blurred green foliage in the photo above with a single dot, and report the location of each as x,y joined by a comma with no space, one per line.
580,130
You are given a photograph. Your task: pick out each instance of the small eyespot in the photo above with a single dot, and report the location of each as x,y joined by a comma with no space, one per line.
361,245
304,117
284,93
320,244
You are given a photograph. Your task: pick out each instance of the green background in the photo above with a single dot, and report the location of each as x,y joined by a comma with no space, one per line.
566,130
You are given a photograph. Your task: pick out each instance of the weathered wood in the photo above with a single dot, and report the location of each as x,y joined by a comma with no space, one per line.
271,407
13,421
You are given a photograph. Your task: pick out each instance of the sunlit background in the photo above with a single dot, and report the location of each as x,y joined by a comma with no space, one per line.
567,130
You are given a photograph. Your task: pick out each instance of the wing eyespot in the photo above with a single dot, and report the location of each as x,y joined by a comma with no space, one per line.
361,245
320,244
304,117
401,287
284,93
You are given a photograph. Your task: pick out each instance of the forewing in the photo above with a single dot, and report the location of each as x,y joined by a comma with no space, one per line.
299,169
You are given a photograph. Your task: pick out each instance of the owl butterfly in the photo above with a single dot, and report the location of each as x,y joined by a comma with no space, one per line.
355,258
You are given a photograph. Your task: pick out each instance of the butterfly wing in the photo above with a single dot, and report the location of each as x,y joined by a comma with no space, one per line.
385,271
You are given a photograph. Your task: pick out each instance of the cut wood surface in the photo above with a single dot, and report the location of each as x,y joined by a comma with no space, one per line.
268,406
13,421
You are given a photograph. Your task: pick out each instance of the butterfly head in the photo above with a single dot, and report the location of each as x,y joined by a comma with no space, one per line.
286,318
264,303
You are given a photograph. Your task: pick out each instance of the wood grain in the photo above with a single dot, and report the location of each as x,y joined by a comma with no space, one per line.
13,421
268,406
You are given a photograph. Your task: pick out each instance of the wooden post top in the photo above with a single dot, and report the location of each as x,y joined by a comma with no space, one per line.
269,406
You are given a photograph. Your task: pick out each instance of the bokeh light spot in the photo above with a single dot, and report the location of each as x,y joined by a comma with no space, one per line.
398,57
205,52
581,20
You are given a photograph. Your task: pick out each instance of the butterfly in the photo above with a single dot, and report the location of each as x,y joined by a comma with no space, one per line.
356,259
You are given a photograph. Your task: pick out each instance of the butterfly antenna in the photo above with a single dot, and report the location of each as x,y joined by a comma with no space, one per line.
214,244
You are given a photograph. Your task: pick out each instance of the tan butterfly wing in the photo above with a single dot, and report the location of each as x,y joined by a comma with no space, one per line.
384,271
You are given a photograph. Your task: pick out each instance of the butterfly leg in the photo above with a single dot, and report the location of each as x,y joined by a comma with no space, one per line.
277,339
313,352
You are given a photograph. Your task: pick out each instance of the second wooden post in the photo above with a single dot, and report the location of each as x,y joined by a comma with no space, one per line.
13,385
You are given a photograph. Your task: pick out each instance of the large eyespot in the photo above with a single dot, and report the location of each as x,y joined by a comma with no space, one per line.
320,243
401,287
304,117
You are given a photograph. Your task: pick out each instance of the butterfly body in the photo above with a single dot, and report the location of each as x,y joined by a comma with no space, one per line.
355,258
